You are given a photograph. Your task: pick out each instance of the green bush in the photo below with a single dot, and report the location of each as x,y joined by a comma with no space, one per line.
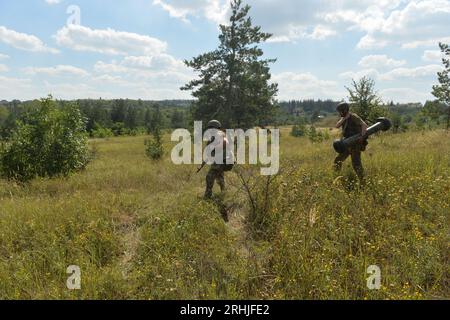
299,130
48,141
315,136
155,149
101,132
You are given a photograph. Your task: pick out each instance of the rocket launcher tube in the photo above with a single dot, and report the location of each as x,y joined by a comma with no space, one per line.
382,124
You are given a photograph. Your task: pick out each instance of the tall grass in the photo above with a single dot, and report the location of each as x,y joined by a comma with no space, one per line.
139,229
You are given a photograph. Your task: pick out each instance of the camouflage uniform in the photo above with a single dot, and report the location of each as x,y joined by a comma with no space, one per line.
216,173
351,127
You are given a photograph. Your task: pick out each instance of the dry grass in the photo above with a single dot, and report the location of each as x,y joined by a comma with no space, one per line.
139,229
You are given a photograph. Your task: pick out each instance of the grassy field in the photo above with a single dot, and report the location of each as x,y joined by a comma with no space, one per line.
140,230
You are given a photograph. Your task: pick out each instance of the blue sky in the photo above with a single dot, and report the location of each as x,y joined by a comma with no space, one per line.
134,49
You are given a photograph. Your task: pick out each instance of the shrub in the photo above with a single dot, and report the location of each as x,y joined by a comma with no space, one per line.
48,141
155,149
101,132
299,130
118,129
314,135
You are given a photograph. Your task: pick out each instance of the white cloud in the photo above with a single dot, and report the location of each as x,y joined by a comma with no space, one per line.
113,67
3,68
405,95
306,85
433,42
71,91
412,73
356,75
214,10
321,32
145,77
106,78
108,41
432,56
3,56
13,88
290,21
369,42
380,61
60,70
394,74
51,2
418,23
384,22
170,72
23,41
159,62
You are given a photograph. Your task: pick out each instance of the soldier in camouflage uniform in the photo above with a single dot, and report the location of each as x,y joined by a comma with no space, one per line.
217,171
351,125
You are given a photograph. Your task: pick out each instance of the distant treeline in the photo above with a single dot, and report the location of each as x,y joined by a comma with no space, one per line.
312,110
132,117
110,117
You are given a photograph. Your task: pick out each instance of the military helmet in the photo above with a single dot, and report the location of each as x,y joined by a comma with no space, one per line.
214,124
343,107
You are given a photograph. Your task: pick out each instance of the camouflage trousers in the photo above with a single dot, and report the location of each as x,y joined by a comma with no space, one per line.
216,173
355,153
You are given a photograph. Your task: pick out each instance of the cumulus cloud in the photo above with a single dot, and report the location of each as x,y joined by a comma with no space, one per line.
432,56
418,23
321,32
214,10
159,62
412,73
405,95
164,70
290,21
113,67
152,77
3,68
23,41
108,41
51,2
60,70
3,56
408,23
306,85
430,42
12,88
394,74
380,61
370,73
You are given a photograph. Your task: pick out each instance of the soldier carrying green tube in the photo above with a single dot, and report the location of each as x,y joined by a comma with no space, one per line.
351,125
355,135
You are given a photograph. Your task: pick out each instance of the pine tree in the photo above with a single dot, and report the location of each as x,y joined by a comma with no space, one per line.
442,91
233,84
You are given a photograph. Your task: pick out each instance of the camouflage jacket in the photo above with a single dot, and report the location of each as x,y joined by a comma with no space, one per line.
352,126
